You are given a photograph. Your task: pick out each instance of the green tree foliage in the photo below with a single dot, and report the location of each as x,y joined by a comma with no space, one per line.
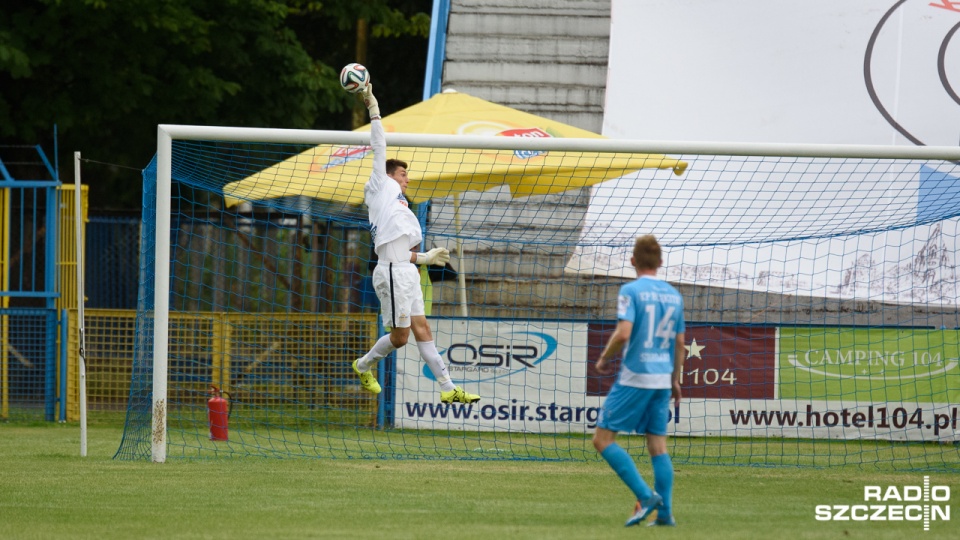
106,72
397,51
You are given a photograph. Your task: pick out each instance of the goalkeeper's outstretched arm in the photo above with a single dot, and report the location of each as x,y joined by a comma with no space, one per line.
371,102
377,141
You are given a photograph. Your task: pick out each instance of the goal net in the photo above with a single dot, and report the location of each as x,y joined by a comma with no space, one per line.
820,288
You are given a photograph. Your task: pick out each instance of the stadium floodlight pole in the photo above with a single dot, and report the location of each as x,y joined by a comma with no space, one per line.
82,367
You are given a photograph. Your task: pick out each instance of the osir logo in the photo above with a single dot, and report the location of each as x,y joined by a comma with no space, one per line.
893,503
496,357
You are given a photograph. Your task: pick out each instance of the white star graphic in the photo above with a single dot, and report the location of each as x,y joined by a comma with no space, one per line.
693,349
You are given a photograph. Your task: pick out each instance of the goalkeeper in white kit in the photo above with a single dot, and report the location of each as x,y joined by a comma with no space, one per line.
396,232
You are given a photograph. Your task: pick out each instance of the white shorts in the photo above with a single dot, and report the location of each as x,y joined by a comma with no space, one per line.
398,287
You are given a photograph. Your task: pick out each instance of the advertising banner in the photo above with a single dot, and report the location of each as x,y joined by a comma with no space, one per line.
837,383
737,381
531,376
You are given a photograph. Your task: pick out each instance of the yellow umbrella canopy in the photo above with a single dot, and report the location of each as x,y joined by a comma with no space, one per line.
338,173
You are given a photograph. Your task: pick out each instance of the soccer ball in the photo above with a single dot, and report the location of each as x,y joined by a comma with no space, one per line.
354,78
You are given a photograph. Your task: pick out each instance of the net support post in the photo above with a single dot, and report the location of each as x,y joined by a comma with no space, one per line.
461,275
81,361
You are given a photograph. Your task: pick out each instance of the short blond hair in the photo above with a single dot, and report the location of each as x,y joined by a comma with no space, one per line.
647,253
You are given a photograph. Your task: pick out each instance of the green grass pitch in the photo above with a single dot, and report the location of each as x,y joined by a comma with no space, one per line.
48,491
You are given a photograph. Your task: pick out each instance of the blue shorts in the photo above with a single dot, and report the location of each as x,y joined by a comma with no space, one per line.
636,410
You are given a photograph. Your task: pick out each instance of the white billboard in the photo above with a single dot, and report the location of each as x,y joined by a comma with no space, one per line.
824,71
819,71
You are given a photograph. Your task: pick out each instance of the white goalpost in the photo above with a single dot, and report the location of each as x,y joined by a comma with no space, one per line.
774,227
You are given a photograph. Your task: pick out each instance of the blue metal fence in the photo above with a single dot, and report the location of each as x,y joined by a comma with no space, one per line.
111,268
29,221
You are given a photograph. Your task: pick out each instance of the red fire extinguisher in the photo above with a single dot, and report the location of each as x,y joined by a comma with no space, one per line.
218,411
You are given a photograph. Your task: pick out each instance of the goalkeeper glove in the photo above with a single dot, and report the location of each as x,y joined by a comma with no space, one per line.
437,256
371,102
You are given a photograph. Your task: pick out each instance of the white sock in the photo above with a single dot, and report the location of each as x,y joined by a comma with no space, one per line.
381,348
428,351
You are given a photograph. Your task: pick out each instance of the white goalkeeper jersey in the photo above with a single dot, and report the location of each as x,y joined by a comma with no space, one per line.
390,214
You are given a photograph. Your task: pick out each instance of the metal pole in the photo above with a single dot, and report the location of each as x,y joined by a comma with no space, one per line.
461,278
82,367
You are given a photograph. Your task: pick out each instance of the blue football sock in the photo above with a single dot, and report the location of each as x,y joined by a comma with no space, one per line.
663,482
622,464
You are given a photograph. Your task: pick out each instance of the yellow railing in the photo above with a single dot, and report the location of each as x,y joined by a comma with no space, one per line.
252,353
68,285
67,244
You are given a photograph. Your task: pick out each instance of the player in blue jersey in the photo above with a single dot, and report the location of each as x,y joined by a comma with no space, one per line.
650,324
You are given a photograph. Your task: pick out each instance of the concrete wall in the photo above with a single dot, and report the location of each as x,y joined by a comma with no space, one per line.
544,57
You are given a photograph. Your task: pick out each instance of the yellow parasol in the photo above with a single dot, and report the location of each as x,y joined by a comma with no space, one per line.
338,173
